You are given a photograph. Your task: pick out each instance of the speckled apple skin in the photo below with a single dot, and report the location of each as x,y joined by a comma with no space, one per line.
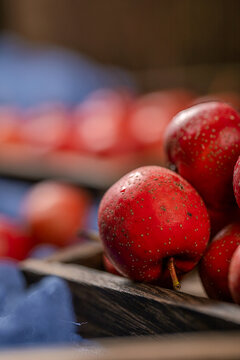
148,216
204,144
214,266
234,276
236,181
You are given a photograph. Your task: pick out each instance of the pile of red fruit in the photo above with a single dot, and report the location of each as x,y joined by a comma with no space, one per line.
154,223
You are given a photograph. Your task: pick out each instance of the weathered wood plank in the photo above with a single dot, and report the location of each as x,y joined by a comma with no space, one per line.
114,306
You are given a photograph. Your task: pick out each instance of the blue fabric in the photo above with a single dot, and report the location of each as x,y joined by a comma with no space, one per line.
12,193
92,218
32,75
42,314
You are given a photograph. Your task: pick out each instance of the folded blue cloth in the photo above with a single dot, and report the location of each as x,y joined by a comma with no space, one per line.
42,314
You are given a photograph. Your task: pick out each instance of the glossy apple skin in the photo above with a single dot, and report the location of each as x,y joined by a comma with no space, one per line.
54,212
214,266
14,243
234,276
203,142
148,216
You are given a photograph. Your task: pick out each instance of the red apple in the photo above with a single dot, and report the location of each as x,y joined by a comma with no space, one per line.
203,142
54,212
214,266
234,276
14,243
150,220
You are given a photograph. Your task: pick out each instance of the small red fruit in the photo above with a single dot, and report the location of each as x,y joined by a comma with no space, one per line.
14,243
204,143
234,276
214,266
54,212
150,219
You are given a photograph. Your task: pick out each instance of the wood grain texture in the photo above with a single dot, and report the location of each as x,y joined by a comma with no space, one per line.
114,306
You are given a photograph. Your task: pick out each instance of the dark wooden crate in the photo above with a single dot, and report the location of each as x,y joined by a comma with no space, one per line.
111,305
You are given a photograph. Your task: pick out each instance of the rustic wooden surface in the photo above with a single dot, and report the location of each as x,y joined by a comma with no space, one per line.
113,306
204,346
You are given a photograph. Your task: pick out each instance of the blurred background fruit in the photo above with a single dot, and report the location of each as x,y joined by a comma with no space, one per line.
14,242
54,212
46,127
149,116
100,125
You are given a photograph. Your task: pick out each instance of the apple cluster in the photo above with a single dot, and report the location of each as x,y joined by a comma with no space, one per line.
156,225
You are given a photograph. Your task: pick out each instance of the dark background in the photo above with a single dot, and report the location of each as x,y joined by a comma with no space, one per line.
137,34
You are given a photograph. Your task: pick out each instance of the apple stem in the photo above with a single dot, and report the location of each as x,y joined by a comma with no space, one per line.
89,235
171,268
